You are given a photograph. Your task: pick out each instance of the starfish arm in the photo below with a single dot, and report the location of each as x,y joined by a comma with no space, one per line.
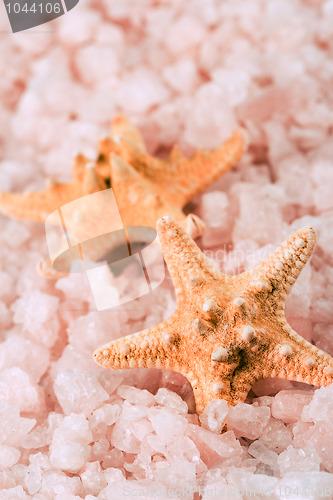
298,360
206,166
187,265
275,275
152,348
121,128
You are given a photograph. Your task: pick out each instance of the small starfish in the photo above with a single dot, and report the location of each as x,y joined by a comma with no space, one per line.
228,332
144,187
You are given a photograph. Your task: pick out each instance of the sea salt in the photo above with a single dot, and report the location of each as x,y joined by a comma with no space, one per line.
288,405
248,421
213,416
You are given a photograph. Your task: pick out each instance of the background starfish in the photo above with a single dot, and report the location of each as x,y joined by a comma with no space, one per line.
227,332
144,187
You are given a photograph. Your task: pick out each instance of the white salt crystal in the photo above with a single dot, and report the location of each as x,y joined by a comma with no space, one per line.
16,233
133,412
179,472
225,445
258,450
17,389
248,421
69,449
181,76
298,460
56,482
214,414
140,428
33,478
288,405
79,391
16,493
107,414
34,308
7,286
170,399
8,456
167,422
135,396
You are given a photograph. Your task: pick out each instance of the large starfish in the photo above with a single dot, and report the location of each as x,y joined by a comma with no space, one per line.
227,332
144,187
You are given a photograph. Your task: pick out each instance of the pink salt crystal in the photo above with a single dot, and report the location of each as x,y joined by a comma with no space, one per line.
93,330
7,287
320,483
5,316
135,396
17,389
34,308
69,449
181,76
13,428
220,489
79,29
319,407
110,380
42,435
212,445
74,356
288,405
322,337
170,399
93,479
276,436
140,90
214,414
167,422
182,447
32,358
107,414
8,456
298,459
184,34
16,233
78,391
58,483
209,101
123,438
140,428
176,474
258,450
248,421
16,493
133,412
253,485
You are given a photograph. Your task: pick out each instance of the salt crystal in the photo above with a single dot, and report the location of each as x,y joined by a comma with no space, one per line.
298,460
133,412
276,436
17,389
288,405
320,406
5,316
258,450
69,449
135,396
78,391
170,399
181,76
123,438
8,455
107,414
185,33
167,422
26,307
248,421
12,427
93,479
224,445
32,358
7,286
213,416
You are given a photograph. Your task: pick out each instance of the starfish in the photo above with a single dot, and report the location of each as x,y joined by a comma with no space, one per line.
145,187
227,332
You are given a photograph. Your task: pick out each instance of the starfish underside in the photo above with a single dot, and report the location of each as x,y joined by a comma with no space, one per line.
145,187
227,332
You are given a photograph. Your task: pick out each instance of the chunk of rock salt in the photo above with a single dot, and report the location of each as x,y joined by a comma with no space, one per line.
166,422
69,449
170,399
320,407
288,405
93,479
276,436
79,391
179,472
13,427
31,357
135,396
123,438
248,421
258,450
8,456
34,308
298,460
17,389
213,416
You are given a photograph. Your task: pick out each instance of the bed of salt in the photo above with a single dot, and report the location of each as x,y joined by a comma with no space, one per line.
186,73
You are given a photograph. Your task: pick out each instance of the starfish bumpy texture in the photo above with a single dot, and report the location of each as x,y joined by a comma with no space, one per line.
227,332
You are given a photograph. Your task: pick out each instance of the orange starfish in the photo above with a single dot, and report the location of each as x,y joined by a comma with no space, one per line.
227,332
144,187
